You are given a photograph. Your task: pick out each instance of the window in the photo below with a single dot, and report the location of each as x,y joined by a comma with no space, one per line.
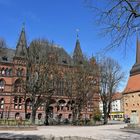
2,85
21,72
6,72
17,102
29,103
1,103
18,86
64,61
10,72
18,72
28,115
39,116
5,58
3,71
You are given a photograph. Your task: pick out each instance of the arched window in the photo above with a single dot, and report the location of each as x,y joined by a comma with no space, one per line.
28,115
39,116
28,103
2,71
22,72
2,103
18,72
2,85
17,115
62,104
18,86
17,102
10,72
6,72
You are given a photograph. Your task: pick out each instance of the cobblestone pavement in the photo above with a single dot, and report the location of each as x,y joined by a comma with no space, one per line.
106,132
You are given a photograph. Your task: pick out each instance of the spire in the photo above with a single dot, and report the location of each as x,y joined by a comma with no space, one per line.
21,48
138,51
78,55
136,67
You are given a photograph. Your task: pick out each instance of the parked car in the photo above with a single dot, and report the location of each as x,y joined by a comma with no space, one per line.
127,120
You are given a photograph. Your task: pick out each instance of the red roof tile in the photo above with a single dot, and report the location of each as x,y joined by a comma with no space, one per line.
133,84
117,96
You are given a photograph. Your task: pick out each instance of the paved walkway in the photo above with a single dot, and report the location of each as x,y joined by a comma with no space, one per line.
106,132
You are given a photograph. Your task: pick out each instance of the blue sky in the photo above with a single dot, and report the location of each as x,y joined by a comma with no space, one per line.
58,20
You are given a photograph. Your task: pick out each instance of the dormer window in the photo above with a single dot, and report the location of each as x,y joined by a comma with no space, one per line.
5,58
64,61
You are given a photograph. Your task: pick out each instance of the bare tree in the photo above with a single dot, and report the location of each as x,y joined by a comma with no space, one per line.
110,77
2,44
83,84
118,18
40,75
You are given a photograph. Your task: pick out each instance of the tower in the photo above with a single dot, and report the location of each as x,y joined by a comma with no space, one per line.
136,67
131,93
78,55
21,48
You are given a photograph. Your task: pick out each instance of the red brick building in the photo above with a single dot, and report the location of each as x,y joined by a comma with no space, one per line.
13,67
131,93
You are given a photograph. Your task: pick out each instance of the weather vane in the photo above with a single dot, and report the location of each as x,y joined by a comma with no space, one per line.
23,25
77,31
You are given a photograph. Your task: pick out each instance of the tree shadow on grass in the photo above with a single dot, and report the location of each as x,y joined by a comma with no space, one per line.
12,136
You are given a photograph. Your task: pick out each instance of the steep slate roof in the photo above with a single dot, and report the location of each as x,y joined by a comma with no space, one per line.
78,55
62,55
21,48
6,55
133,84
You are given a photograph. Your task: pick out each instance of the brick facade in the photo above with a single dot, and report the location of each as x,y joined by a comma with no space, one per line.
12,101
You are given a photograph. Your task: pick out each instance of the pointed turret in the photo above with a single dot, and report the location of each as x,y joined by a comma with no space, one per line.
78,55
21,48
136,67
138,51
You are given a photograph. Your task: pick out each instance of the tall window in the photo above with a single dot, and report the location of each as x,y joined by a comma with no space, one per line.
29,103
2,85
21,72
17,102
18,86
2,72
18,72
10,72
1,103
6,72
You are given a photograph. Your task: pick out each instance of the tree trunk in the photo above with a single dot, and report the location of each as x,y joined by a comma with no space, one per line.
74,116
25,109
33,115
105,113
105,118
46,116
